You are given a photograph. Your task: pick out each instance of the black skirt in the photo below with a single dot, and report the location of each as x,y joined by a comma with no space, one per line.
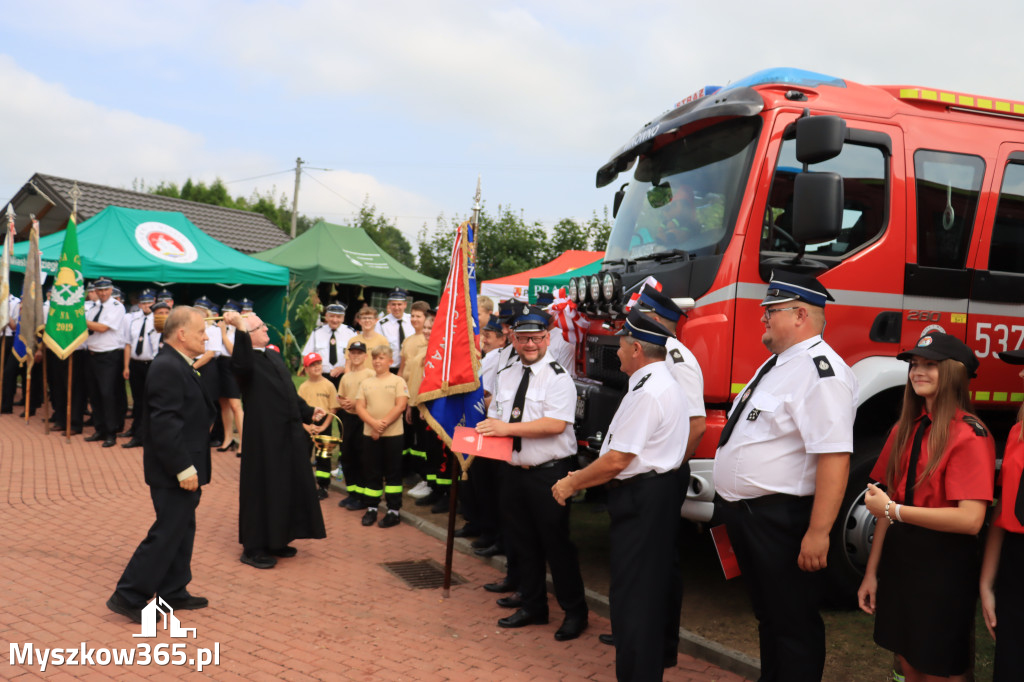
1009,663
228,383
926,599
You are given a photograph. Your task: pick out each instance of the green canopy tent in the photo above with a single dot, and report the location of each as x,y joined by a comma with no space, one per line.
346,255
140,248
552,283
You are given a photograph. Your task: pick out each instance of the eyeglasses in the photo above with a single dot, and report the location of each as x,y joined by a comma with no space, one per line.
767,315
535,340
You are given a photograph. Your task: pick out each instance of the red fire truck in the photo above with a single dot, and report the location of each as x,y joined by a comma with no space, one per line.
906,202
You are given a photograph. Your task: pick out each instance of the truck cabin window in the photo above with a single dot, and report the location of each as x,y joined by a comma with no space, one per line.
685,194
948,187
1007,252
865,188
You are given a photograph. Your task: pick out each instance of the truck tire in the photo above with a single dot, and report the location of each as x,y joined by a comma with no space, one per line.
850,542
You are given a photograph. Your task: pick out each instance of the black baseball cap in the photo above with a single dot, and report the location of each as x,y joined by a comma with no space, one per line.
939,346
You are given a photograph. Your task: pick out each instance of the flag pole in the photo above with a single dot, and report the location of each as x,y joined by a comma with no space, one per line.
28,388
46,396
67,412
3,354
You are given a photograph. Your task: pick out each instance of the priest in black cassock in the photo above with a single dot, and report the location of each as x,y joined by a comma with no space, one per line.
278,500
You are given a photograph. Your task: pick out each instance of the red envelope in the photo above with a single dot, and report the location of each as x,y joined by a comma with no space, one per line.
468,442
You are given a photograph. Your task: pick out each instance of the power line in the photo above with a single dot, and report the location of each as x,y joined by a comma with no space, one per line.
314,178
257,177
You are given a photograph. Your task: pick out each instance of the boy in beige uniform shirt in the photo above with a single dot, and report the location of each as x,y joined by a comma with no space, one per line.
380,403
318,391
351,460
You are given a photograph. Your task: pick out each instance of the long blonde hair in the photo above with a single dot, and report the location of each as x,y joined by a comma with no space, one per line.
952,394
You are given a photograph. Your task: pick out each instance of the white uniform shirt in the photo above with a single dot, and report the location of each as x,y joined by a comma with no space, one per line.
686,370
142,324
214,341
489,370
111,314
320,342
551,393
388,326
14,310
561,350
803,407
647,423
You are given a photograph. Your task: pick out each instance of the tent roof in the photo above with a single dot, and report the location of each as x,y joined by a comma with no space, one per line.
345,255
152,246
517,285
538,284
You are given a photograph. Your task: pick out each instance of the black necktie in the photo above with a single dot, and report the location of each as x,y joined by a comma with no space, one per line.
401,334
747,392
517,407
142,336
98,313
332,353
915,454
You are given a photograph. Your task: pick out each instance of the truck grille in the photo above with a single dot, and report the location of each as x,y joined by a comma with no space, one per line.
603,363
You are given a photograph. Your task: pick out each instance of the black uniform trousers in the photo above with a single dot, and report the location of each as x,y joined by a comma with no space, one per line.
107,382
537,531
644,568
170,537
766,533
382,468
12,370
1009,663
137,371
351,456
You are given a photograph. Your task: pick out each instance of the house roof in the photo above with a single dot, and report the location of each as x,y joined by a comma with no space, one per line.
48,197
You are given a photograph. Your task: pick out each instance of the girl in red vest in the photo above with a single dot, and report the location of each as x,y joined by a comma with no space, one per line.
921,577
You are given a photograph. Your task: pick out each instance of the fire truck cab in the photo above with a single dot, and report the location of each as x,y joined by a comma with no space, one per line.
906,202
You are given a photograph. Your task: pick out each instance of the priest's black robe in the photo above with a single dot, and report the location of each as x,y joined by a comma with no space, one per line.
277,500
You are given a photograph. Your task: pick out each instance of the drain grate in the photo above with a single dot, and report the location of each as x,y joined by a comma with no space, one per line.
425,574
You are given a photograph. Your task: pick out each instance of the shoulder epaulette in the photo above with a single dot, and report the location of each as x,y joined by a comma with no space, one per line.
504,368
641,382
975,423
824,367
557,367
676,355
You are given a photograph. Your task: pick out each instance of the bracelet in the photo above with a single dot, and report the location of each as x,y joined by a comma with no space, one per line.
897,513
887,512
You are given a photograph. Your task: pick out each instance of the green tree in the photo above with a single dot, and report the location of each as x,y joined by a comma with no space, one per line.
568,235
599,228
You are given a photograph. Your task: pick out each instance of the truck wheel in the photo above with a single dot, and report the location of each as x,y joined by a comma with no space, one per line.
850,543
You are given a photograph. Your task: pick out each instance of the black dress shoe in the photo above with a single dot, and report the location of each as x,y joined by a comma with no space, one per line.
258,560
513,601
484,541
504,585
572,627
286,552
119,604
467,531
128,434
94,437
488,552
522,618
133,443
370,517
607,638
110,442
188,603
230,446
321,494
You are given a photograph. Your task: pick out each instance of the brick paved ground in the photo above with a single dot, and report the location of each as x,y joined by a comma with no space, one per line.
71,515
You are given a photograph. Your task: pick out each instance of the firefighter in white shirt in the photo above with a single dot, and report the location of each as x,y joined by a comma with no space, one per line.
329,342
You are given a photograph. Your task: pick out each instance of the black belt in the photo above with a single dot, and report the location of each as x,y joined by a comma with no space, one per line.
619,482
104,352
545,465
765,501
144,362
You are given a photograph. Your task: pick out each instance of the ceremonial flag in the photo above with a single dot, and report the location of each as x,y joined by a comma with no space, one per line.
65,324
31,322
634,293
451,394
5,271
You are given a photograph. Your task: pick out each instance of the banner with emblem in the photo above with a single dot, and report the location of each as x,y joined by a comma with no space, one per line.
5,270
65,324
451,394
30,322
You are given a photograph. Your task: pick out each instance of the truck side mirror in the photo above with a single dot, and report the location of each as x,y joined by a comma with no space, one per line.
819,138
817,207
618,199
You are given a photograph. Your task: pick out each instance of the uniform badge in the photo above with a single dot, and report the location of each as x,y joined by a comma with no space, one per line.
557,368
333,342
676,355
516,412
641,382
754,414
824,367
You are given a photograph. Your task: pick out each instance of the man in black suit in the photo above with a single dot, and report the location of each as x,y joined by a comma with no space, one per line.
176,461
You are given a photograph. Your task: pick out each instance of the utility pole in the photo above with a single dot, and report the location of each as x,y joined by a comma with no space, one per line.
295,198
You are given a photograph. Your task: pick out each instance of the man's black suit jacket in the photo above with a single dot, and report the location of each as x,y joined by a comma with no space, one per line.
178,416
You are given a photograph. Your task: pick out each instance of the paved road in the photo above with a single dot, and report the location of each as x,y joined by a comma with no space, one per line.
71,514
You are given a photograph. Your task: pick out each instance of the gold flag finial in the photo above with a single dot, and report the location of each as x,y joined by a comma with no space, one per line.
75,195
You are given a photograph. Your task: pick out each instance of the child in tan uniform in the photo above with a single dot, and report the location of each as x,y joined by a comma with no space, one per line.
356,370
318,391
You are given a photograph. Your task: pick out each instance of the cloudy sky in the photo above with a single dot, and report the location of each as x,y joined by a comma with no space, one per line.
409,102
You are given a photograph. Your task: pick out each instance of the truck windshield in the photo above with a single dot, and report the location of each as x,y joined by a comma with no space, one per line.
685,195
